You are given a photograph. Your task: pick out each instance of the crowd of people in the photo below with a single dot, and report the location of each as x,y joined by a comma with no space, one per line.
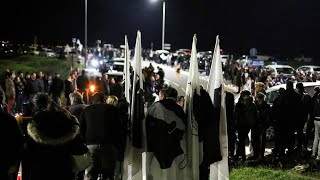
242,74
294,117
48,131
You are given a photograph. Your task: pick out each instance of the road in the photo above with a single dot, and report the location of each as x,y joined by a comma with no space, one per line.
179,80
176,80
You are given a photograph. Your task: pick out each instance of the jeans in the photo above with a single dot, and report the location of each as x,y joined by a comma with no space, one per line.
104,161
242,136
316,141
258,141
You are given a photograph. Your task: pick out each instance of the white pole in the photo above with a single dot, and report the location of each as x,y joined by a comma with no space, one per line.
163,22
85,31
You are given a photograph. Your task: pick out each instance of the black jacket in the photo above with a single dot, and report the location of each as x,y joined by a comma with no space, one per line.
56,87
11,139
100,124
52,138
165,126
264,116
289,105
68,89
208,118
245,115
34,86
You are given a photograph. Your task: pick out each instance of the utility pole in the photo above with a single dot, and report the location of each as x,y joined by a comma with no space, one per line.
85,32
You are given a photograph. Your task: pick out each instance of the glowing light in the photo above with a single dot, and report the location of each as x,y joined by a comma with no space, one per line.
92,88
95,62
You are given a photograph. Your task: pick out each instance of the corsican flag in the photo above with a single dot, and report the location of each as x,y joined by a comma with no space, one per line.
219,170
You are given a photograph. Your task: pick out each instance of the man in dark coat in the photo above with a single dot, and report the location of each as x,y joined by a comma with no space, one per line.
68,89
12,143
245,117
104,85
56,88
259,131
33,86
165,126
276,117
101,128
83,85
288,105
306,108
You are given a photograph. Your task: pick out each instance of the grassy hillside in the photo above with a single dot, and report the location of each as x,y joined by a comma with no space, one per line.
36,64
263,173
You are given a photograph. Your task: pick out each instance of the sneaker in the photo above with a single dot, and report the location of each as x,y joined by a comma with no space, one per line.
318,158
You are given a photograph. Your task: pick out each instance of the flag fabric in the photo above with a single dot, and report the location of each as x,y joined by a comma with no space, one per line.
219,170
132,168
126,75
137,106
193,147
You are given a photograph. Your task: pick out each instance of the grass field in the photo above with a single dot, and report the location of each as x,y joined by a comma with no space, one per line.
35,64
263,173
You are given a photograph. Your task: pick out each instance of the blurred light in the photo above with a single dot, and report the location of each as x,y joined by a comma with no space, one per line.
92,88
154,1
95,62
101,62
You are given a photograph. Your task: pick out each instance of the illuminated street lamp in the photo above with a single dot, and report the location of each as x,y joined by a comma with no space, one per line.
163,19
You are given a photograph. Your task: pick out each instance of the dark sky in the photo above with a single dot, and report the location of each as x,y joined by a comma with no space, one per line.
279,27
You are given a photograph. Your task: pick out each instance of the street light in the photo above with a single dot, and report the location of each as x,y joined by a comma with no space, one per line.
163,19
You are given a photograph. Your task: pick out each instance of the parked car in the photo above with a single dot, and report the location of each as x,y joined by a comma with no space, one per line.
48,53
286,70
309,69
161,56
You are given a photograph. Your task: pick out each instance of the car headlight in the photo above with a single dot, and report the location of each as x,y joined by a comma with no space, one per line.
94,62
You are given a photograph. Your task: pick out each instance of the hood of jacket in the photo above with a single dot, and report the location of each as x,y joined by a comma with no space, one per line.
53,128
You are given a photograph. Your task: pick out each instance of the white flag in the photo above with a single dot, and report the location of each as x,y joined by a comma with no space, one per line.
194,148
219,170
132,168
126,75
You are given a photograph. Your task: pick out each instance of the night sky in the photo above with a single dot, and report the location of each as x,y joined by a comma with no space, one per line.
277,27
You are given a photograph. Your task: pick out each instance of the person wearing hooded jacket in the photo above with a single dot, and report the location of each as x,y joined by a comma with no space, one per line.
288,105
245,118
53,136
259,131
12,141
101,128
